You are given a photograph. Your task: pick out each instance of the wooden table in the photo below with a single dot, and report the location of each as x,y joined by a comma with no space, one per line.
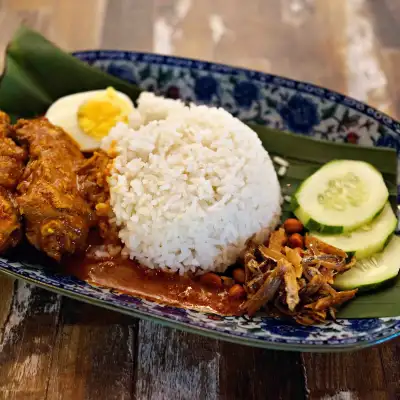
56,348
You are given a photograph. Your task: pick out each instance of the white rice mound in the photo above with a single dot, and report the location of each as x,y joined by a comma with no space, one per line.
155,108
189,188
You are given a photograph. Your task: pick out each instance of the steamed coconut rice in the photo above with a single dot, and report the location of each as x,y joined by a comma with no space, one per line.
189,186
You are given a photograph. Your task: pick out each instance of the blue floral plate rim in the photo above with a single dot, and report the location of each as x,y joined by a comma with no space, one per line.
301,86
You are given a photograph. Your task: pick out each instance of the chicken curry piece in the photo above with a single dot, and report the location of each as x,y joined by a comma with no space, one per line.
57,218
12,163
93,187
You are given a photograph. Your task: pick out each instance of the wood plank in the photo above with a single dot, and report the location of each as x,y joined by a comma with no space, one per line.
38,18
386,15
9,23
73,25
358,375
390,358
191,35
76,24
279,40
93,355
6,295
128,25
17,5
28,336
367,80
175,365
182,28
253,373
386,21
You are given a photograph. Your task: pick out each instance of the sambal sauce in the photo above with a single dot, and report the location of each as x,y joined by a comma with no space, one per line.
129,277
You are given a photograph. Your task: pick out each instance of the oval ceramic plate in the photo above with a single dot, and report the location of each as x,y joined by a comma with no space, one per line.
253,97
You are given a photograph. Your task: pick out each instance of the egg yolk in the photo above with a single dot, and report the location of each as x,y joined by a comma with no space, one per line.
98,115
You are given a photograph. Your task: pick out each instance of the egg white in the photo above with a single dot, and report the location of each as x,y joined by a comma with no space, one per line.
64,113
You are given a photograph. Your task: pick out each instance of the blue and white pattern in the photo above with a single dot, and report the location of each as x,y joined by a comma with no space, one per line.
253,97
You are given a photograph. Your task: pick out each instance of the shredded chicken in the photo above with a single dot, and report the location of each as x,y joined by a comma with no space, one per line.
267,290
270,253
295,259
277,239
291,286
332,300
319,246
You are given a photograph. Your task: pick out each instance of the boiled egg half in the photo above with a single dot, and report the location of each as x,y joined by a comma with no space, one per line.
88,116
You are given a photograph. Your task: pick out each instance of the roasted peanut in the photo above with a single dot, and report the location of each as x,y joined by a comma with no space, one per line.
293,225
239,275
228,282
296,240
237,292
212,280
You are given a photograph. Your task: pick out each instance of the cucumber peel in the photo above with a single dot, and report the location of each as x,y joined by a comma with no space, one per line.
340,197
366,240
370,273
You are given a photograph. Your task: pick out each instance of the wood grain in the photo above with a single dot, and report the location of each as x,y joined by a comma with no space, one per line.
386,22
127,25
26,346
390,356
87,23
252,373
53,348
286,43
175,365
6,296
93,355
360,374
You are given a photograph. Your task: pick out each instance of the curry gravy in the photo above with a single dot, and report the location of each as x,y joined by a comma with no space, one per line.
129,277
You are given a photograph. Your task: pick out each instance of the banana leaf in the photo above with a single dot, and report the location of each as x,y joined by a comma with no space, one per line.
37,73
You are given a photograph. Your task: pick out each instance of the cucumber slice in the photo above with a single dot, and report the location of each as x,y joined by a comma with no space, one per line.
341,196
372,272
367,240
